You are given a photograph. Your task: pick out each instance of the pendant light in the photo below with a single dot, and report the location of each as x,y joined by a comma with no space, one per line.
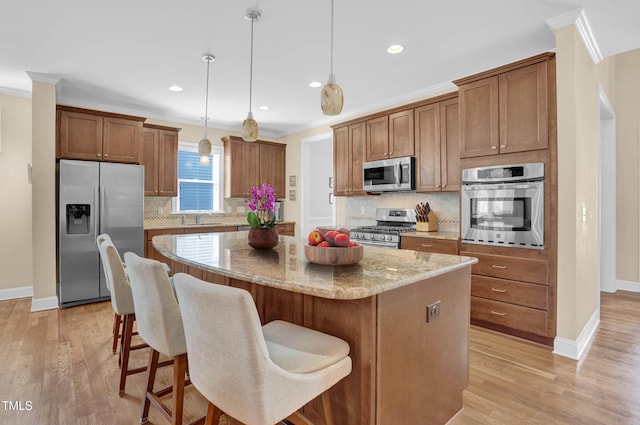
331,98
204,146
249,125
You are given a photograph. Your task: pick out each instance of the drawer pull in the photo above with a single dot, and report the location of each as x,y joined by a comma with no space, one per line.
426,245
498,267
497,313
498,290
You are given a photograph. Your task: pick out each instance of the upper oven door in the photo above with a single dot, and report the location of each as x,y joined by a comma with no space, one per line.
510,214
388,175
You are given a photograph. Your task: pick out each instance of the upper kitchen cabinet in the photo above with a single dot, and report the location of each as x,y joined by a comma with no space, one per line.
506,110
348,156
390,136
247,164
160,160
98,136
437,147
273,159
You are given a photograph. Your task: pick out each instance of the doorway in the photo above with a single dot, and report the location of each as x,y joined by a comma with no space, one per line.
606,195
318,202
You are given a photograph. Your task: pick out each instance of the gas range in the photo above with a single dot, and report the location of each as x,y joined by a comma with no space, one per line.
390,223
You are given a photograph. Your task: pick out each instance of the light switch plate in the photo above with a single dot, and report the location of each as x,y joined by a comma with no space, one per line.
240,209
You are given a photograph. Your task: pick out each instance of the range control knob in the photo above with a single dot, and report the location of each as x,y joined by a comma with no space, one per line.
381,237
389,237
369,236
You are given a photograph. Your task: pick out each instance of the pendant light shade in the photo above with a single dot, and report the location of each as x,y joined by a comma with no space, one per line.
249,125
204,146
331,97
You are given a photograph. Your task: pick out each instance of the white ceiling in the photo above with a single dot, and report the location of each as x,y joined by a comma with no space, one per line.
122,55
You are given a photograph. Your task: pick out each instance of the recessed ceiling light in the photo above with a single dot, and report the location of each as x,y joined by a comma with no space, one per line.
264,108
394,49
175,88
315,84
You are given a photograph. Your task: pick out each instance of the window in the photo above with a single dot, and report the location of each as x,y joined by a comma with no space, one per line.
199,185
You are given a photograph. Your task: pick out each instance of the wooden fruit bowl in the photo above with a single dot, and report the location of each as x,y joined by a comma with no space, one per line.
333,256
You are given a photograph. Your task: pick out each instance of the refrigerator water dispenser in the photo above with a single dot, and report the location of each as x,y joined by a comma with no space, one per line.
78,216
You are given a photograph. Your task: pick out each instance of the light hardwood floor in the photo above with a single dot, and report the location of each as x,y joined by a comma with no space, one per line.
60,361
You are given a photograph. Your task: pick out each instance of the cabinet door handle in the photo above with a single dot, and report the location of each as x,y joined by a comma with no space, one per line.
498,290
503,146
426,245
494,147
391,153
386,153
330,199
99,155
106,155
437,185
497,313
498,267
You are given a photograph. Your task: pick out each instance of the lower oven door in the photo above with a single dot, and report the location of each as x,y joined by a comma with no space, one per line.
509,214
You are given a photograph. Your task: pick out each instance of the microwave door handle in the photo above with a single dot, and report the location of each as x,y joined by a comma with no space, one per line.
398,175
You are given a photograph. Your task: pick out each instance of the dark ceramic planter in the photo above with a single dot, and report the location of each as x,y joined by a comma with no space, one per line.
263,238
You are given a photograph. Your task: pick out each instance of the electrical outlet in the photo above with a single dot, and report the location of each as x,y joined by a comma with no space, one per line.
228,209
433,311
240,209
363,210
160,210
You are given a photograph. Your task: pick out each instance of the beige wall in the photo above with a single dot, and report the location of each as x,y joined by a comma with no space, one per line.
577,81
627,108
15,192
43,189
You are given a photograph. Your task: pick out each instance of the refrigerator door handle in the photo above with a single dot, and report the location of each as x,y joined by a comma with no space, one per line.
102,206
95,216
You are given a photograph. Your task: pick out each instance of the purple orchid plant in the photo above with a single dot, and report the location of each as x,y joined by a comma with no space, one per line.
262,206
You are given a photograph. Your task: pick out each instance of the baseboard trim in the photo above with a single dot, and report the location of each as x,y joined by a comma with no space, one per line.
574,349
45,303
626,285
13,293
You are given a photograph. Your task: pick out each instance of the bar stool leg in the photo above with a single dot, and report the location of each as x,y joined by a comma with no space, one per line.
179,369
126,348
117,320
151,378
213,415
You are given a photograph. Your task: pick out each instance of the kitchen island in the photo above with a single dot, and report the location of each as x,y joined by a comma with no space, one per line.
407,368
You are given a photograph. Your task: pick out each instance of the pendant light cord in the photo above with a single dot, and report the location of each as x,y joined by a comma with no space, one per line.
253,18
331,37
206,103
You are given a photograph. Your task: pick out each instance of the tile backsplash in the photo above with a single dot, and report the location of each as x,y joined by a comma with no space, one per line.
361,210
157,209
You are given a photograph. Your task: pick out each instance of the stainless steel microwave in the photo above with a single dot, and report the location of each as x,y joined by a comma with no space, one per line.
389,175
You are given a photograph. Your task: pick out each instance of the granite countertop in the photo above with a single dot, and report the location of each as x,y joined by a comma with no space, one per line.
451,236
285,266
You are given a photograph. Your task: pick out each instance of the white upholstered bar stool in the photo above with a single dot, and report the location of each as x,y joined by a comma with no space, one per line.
117,319
160,325
256,374
122,304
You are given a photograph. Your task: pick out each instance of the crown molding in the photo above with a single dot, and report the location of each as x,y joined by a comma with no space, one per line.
579,18
43,78
16,93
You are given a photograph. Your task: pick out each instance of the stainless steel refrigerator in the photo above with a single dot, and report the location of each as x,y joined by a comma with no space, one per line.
95,198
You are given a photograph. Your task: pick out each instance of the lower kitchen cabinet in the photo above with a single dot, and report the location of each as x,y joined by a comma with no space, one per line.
286,229
511,294
426,244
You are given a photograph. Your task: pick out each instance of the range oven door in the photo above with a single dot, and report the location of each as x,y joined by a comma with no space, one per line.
507,214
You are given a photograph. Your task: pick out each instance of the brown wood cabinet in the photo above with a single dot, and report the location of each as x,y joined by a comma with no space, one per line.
245,166
426,244
390,136
512,293
160,160
286,229
505,110
437,147
97,136
348,156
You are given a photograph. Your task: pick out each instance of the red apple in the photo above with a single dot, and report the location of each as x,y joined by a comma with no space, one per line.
344,230
352,244
341,239
315,237
329,236
323,244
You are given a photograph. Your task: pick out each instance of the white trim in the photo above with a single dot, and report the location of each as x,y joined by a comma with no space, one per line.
579,18
574,349
43,78
13,293
625,285
46,303
442,88
25,94
306,175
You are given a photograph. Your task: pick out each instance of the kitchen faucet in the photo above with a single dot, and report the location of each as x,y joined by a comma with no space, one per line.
200,214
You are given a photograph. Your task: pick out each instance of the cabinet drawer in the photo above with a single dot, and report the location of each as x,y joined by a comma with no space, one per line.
514,268
524,294
286,229
429,245
513,316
